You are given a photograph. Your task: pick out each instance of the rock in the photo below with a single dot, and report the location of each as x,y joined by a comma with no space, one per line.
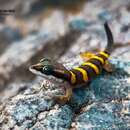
8,35
105,15
105,103
56,119
79,24
61,35
21,52
103,116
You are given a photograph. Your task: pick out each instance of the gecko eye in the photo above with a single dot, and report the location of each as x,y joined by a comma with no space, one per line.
47,69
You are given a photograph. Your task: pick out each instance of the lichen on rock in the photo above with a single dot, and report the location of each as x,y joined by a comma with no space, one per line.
61,35
103,104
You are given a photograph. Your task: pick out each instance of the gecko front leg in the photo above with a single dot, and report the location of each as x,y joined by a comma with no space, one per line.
62,99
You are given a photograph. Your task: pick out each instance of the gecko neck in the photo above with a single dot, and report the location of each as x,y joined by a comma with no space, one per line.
61,74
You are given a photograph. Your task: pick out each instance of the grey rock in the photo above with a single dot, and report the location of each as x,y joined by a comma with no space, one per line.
20,52
103,116
102,104
105,100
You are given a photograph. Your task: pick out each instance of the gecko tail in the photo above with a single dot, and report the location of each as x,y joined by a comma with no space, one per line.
110,40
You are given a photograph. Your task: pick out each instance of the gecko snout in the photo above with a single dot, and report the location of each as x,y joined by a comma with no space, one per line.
36,66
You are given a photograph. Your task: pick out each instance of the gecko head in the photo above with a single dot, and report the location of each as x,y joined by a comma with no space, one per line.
43,67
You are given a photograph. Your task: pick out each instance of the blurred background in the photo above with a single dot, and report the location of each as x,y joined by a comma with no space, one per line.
58,29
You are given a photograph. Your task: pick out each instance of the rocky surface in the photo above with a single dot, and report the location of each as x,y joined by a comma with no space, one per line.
62,34
102,105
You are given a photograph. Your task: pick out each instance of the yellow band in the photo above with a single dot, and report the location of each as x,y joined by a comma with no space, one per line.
73,77
84,73
99,58
93,66
104,54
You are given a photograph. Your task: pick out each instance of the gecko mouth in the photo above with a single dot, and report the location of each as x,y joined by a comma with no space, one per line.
35,69
39,73
48,78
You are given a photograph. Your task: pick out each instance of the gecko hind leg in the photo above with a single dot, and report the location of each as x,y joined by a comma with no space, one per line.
86,55
108,67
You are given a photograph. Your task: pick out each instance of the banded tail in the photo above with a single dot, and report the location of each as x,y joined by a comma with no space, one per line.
93,67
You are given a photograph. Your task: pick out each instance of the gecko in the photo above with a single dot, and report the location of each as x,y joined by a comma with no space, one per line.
93,65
